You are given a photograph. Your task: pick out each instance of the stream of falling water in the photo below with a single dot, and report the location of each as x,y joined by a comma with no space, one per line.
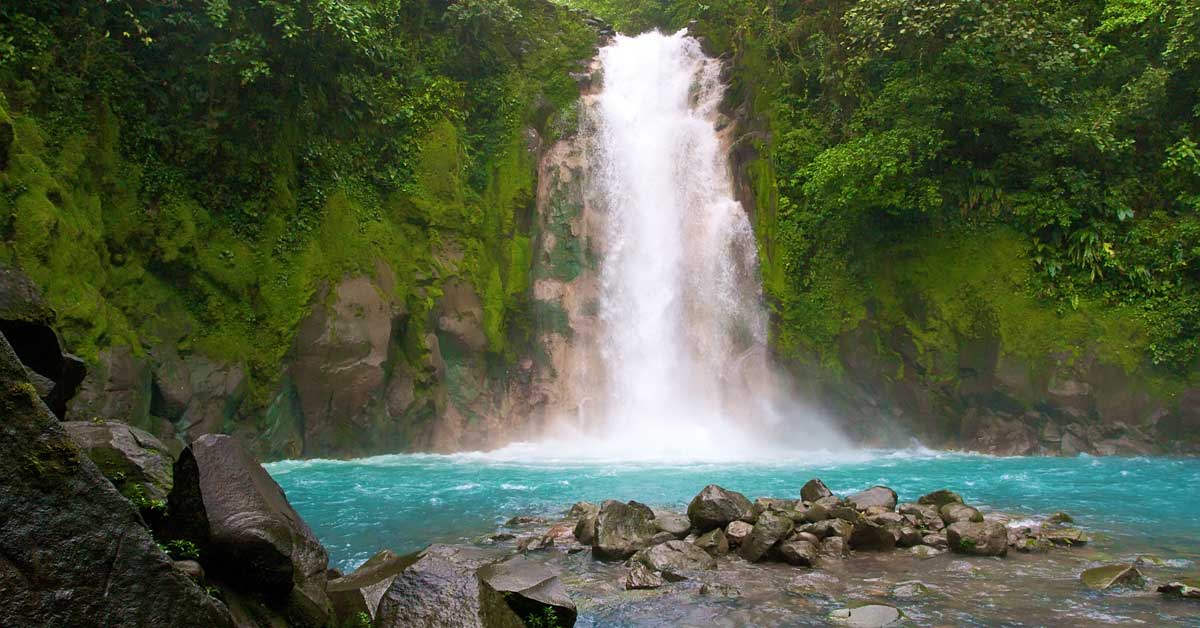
683,329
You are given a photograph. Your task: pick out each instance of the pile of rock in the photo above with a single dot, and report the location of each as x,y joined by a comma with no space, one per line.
663,546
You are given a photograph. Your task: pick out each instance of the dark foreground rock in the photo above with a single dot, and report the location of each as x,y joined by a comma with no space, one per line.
462,587
359,592
139,464
715,507
257,541
73,551
869,616
1188,589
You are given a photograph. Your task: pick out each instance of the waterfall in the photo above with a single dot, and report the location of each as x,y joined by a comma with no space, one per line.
681,331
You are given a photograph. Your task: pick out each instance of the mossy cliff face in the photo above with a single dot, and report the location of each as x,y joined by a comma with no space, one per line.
345,283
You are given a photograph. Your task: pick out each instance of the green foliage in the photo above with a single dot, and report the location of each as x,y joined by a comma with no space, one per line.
191,172
547,618
180,549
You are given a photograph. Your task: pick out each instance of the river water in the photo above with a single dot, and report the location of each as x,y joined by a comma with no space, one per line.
1130,506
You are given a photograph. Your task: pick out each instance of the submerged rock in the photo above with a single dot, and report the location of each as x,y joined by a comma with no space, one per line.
925,551
1189,589
642,577
1113,577
770,529
675,559
713,542
876,496
622,530
980,539
715,507
814,490
1066,536
869,616
360,591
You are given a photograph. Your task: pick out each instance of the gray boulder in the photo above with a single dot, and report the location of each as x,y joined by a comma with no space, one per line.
441,589
360,591
763,504
585,528
737,532
770,529
139,465
622,530
529,589
981,539
832,527
801,553
713,542
954,513
715,507
834,547
1065,536
675,560
257,542
73,551
869,535
940,498
814,490
876,496
674,524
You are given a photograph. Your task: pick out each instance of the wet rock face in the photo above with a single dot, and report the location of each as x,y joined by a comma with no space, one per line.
77,554
989,538
137,463
622,529
715,507
713,542
339,362
28,324
360,591
530,590
257,541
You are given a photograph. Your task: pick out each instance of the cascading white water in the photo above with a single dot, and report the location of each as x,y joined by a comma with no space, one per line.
683,329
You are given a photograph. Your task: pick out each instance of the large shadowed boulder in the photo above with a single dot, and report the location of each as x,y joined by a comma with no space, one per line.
715,507
139,465
117,387
27,321
73,552
360,591
257,541
448,587
622,529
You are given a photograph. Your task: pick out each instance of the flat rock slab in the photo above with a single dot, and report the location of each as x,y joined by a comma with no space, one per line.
870,616
1113,577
